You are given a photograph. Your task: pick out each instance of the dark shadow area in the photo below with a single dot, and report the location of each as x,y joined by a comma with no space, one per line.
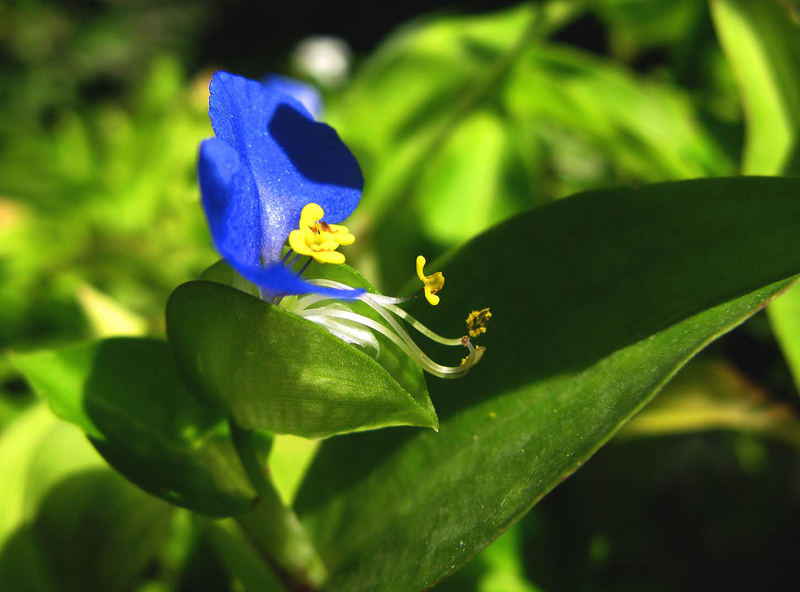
362,24
670,513
314,149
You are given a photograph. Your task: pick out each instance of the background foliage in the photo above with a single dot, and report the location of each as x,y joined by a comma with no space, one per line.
459,122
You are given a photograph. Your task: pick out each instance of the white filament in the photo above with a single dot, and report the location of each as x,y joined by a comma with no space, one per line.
357,329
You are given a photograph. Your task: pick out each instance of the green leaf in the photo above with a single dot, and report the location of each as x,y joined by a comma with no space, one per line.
465,176
784,316
762,44
126,395
631,125
37,451
761,41
271,369
62,509
392,358
597,300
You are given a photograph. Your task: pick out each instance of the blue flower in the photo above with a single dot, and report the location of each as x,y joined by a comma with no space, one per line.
269,160
273,174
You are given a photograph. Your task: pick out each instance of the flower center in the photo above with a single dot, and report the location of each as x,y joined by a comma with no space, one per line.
318,239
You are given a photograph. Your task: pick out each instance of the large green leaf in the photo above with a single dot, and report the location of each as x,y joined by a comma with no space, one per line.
126,395
271,369
597,300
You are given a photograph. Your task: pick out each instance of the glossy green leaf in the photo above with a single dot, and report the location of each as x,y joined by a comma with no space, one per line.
597,300
126,395
271,369
407,374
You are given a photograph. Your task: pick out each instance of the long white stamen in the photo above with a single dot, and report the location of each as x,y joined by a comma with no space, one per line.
349,326
416,324
378,302
403,341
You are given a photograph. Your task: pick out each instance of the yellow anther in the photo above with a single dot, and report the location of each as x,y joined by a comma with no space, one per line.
432,283
477,321
318,239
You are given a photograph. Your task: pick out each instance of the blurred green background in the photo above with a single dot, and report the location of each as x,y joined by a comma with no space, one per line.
461,115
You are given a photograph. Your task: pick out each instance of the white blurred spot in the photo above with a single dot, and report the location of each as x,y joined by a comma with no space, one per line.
324,58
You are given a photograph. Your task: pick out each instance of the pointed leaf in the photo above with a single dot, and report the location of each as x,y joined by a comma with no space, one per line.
271,369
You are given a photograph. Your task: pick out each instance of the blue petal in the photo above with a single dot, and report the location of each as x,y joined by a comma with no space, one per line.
307,94
278,280
231,206
230,200
293,159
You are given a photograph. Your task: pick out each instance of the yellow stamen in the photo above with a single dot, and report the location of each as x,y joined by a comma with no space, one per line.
432,283
317,239
477,321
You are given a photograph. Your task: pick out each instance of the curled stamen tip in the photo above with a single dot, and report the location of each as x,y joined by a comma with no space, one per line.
477,321
474,357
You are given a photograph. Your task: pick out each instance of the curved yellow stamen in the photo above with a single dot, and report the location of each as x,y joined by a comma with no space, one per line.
317,239
477,321
431,283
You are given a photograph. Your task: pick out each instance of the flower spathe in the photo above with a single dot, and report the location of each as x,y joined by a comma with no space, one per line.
270,159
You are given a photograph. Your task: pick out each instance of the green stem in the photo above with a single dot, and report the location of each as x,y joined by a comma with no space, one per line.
274,528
